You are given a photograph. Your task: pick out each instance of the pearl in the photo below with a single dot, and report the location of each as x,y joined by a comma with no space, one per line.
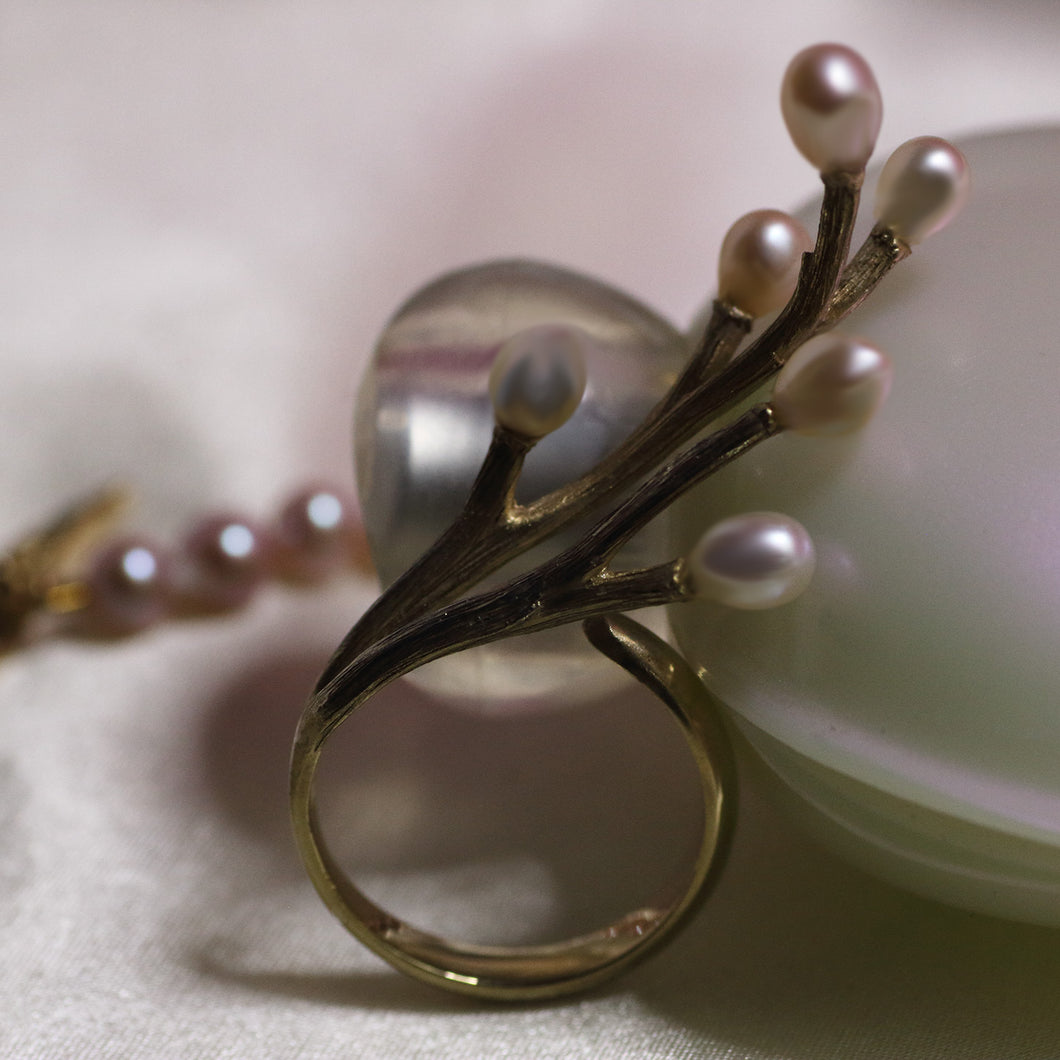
832,107
752,561
759,261
831,385
129,586
424,421
921,188
228,555
907,702
317,533
538,379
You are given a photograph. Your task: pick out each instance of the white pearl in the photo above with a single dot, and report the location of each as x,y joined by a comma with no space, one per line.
922,187
832,107
538,379
831,385
759,261
752,561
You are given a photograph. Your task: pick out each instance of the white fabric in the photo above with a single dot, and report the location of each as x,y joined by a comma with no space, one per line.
208,211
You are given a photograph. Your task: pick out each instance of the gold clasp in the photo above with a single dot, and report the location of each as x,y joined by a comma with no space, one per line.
39,573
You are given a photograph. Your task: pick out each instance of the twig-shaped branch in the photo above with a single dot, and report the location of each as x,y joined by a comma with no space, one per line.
493,529
567,588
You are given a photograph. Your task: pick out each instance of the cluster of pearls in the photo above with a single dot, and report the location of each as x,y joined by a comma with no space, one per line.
833,384
131,583
833,109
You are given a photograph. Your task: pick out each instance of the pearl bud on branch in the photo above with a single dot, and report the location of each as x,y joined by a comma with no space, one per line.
832,107
759,261
752,561
831,385
538,378
922,187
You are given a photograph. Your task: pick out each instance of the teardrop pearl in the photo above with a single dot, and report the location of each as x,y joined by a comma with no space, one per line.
759,261
832,107
129,589
922,187
831,385
538,379
753,561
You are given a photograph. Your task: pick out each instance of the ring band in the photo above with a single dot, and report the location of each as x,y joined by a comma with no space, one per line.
553,969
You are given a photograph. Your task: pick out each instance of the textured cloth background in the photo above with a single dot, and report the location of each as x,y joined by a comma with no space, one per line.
208,211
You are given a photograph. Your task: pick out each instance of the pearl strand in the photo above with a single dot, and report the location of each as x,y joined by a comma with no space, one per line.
132,583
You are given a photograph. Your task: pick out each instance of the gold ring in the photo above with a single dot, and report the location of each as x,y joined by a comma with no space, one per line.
536,971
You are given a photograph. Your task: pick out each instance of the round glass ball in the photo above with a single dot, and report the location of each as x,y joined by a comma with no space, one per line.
423,423
909,701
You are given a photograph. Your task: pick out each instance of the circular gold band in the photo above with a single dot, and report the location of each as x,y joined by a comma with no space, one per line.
540,971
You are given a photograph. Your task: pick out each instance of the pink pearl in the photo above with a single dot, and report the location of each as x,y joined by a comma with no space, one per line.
832,384
758,266
832,107
922,187
130,588
229,558
318,533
